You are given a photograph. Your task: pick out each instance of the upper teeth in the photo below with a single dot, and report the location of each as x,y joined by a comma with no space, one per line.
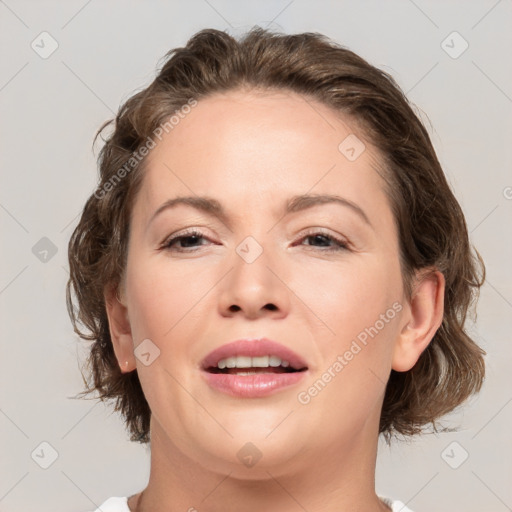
251,362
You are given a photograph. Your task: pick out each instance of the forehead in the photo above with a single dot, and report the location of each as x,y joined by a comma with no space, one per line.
249,145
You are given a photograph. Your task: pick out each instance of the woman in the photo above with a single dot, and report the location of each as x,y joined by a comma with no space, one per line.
274,272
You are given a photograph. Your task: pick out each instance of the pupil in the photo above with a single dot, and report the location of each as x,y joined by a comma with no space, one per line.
188,238
321,238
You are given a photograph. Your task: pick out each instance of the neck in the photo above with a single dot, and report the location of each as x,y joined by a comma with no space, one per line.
343,480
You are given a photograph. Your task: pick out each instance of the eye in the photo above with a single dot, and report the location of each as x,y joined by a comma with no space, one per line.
187,239
322,238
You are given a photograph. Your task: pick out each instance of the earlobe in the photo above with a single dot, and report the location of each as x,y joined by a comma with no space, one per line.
423,317
120,330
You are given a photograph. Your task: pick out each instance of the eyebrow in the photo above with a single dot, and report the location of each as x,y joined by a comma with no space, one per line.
295,204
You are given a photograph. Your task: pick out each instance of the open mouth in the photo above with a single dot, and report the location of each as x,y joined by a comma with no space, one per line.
251,371
248,376
246,365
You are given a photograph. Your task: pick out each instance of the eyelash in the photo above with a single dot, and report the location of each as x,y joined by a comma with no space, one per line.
342,245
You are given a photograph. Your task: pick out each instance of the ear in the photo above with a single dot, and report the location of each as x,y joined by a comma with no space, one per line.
423,316
120,330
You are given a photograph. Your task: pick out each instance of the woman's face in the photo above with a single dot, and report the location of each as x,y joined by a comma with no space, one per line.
322,279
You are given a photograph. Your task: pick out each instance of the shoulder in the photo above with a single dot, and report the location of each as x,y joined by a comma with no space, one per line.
115,504
396,505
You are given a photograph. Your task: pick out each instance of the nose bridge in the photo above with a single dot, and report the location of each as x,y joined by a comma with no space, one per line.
251,264
252,284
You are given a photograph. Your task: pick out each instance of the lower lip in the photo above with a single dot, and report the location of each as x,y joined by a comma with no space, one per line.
252,386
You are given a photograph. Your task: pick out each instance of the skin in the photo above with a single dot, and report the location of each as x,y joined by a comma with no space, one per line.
252,150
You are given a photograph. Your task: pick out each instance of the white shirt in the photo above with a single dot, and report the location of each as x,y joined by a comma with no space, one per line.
121,505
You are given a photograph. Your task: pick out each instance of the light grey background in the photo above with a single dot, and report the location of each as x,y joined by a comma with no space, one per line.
50,110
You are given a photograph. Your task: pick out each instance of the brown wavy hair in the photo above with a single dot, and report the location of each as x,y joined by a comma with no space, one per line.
431,225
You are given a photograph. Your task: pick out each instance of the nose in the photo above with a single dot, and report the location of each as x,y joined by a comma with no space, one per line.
254,289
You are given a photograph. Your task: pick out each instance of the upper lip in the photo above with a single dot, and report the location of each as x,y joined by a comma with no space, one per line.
253,347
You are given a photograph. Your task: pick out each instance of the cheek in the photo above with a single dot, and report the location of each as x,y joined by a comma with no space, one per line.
362,307
161,294
351,295
360,303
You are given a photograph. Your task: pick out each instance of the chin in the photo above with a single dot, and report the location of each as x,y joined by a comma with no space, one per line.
248,457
